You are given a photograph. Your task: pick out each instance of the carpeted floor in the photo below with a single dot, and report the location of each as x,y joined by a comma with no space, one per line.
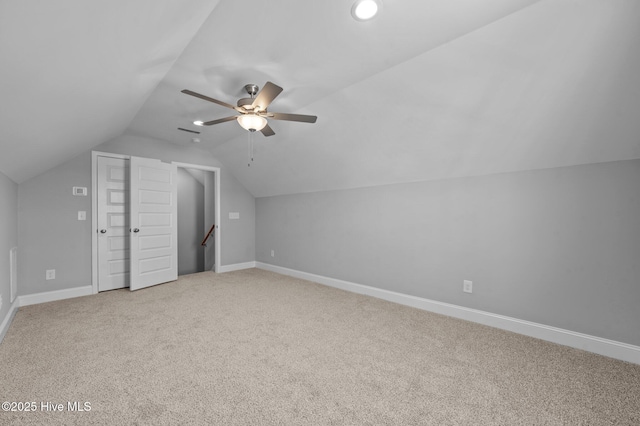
257,348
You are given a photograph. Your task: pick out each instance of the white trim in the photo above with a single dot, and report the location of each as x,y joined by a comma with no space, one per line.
237,267
598,345
51,296
216,234
8,319
34,299
94,213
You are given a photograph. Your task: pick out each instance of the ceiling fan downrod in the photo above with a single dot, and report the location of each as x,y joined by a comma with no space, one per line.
252,89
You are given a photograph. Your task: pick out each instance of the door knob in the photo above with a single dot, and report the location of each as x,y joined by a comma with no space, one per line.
103,231
136,230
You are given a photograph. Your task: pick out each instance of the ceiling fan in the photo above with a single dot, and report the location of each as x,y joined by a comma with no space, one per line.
253,111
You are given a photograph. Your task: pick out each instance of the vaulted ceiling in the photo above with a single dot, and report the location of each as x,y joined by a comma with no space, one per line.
429,89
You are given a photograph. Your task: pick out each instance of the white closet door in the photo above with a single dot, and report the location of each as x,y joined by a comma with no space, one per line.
113,223
153,221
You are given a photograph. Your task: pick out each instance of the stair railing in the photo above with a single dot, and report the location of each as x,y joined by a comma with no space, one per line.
204,242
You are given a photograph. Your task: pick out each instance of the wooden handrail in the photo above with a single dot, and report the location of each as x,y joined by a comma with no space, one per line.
204,242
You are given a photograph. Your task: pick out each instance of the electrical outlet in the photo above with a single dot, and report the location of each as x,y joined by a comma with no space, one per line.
467,286
50,274
273,253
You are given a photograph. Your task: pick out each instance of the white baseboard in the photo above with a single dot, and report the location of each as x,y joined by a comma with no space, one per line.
34,299
237,267
51,296
598,345
6,322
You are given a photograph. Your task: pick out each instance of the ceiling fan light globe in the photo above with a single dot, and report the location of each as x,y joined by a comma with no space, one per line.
252,122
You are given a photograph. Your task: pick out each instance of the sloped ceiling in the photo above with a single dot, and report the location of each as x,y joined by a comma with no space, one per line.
73,73
427,90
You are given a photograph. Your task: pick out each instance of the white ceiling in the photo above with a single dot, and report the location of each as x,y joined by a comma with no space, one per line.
74,73
427,90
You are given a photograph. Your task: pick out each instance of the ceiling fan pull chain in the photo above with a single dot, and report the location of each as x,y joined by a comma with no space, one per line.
249,148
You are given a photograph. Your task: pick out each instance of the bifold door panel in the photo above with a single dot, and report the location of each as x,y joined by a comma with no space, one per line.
113,223
153,215
136,222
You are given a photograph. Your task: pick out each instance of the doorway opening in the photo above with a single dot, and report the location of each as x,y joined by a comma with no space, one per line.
212,237
196,220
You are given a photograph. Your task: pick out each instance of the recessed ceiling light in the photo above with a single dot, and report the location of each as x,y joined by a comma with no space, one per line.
363,10
198,123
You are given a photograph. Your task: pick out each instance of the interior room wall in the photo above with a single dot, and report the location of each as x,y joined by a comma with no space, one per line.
209,218
8,238
556,246
51,237
190,223
50,234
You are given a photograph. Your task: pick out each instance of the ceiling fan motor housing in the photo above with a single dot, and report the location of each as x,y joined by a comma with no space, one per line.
245,103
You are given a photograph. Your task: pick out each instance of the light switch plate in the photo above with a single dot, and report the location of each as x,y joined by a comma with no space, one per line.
234,215
80,191
82,215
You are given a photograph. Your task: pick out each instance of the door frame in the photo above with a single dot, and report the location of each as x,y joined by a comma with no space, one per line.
94,210
216,185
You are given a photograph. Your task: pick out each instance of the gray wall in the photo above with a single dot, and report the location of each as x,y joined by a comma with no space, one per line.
8,237
559,246
51,237
209,219
190,224
50,234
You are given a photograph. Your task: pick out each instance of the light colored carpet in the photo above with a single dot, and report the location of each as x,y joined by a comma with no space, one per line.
254,347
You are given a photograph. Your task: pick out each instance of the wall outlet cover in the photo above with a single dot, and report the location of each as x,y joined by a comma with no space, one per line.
467,286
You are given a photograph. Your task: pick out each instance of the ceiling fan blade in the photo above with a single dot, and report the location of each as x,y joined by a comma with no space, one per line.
207,98
292,117
219,120
266,95
267,131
